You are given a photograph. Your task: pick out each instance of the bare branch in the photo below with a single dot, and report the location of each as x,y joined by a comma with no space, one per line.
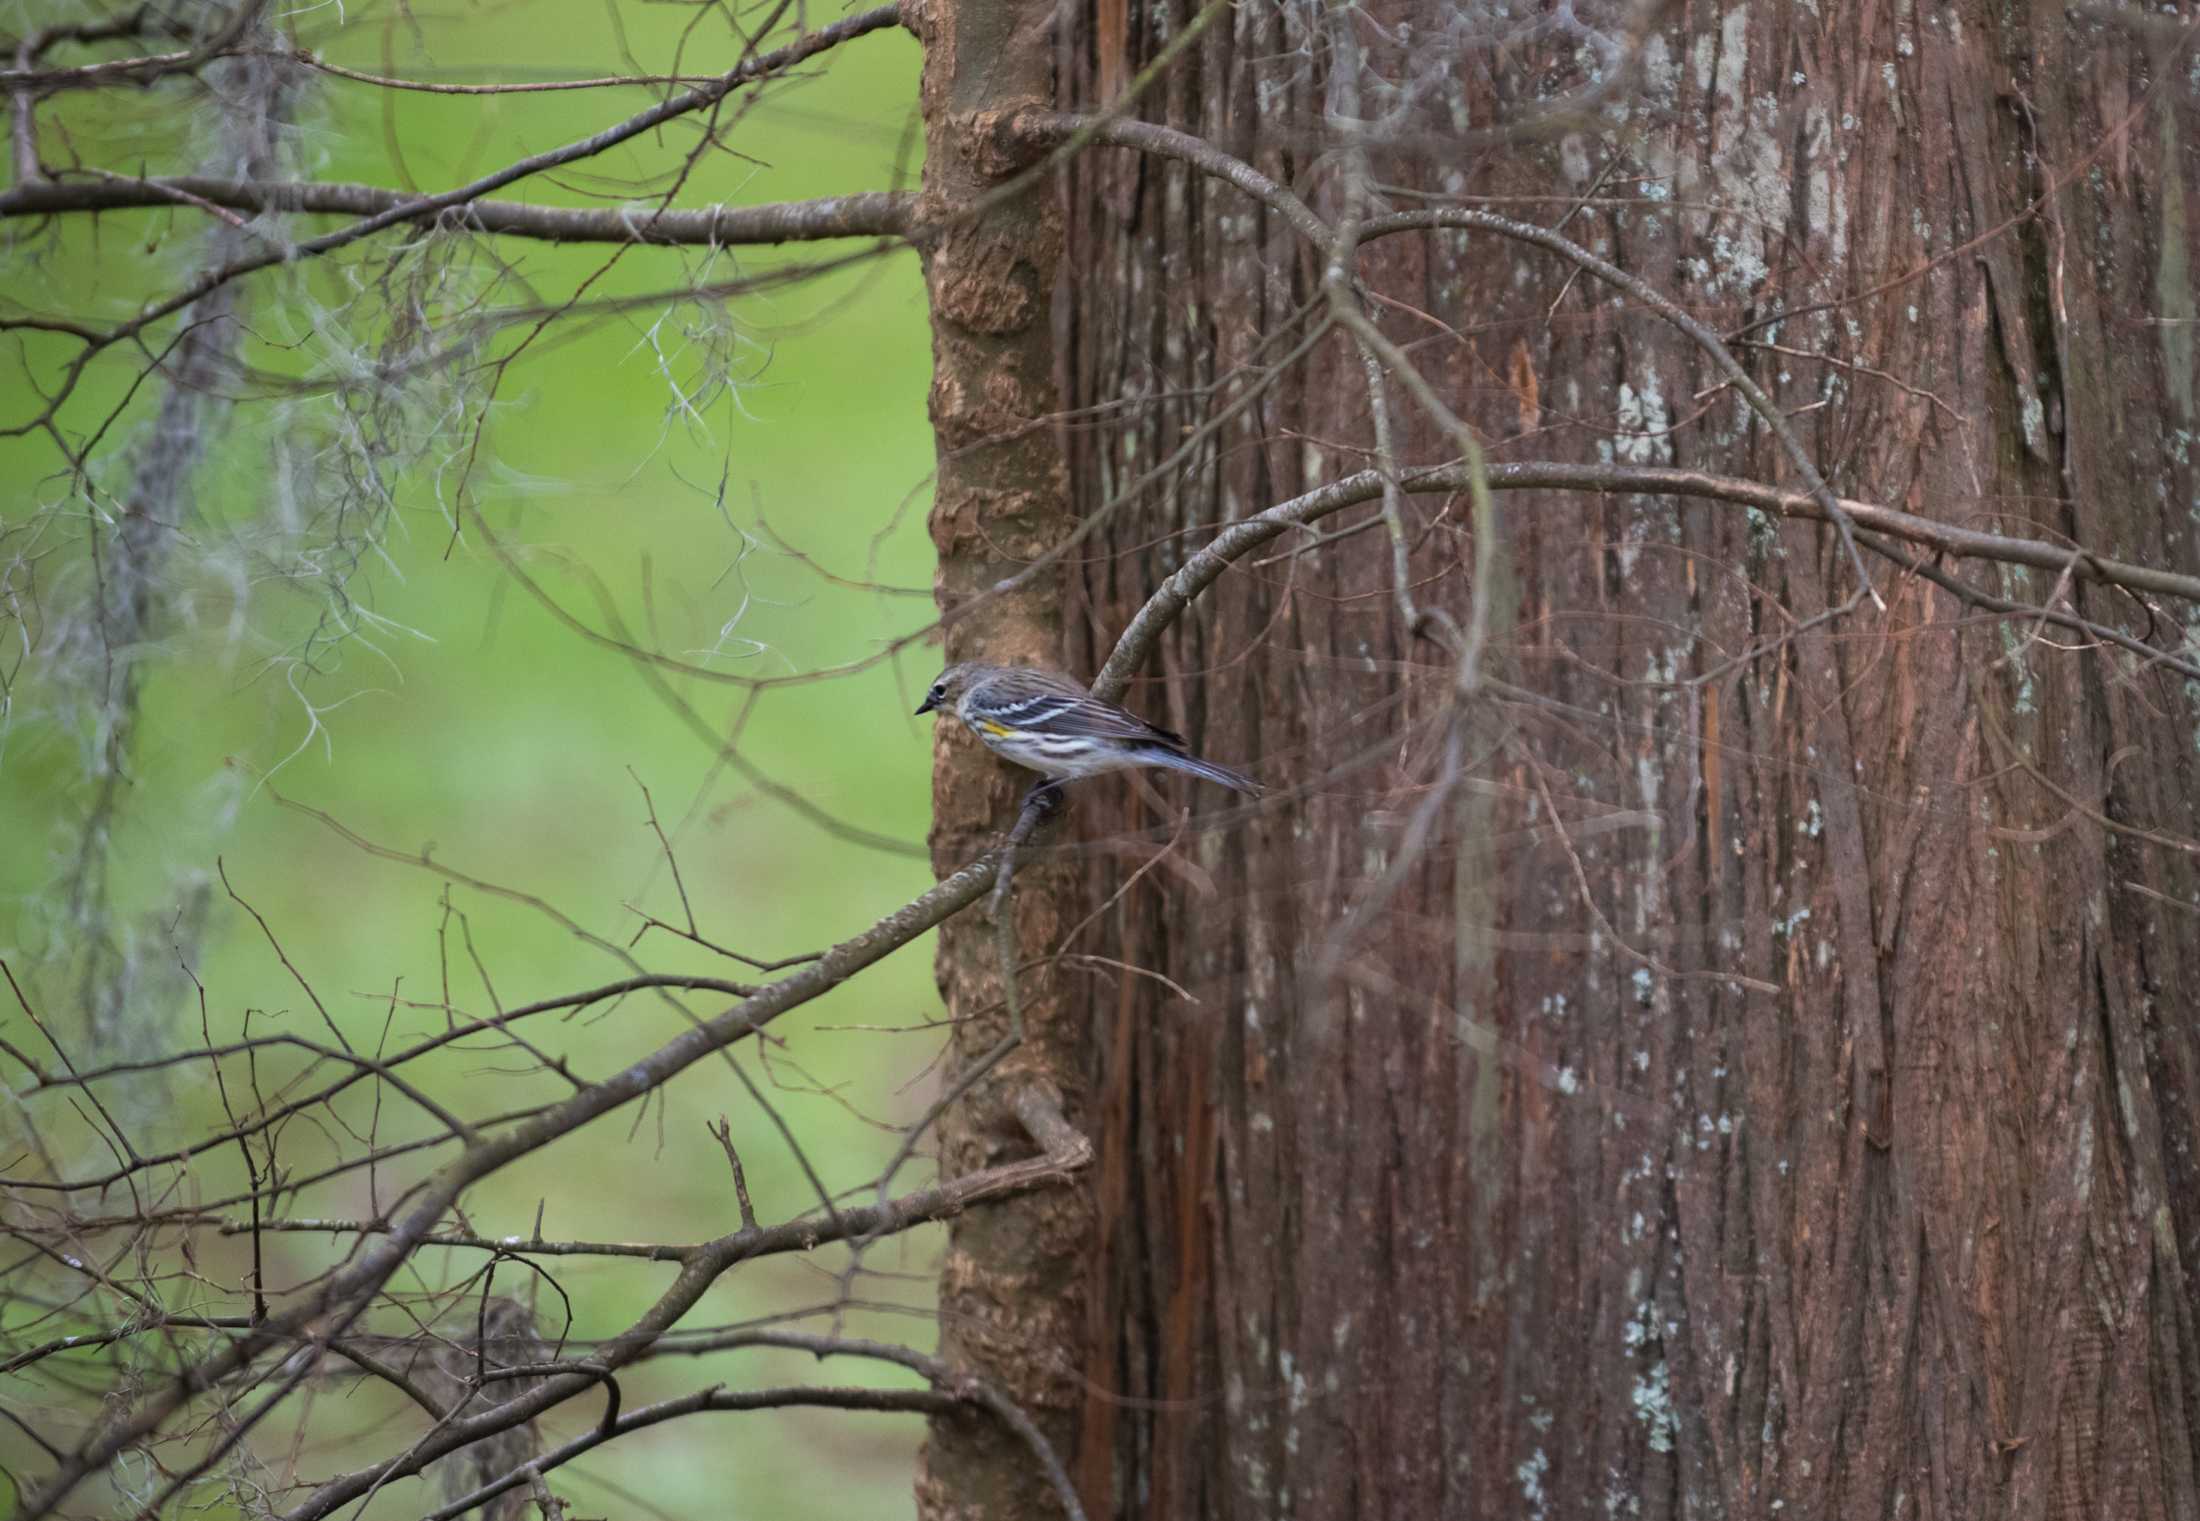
870,214
963,1385
344,1294
142,71
417,208
715,1398
1198,572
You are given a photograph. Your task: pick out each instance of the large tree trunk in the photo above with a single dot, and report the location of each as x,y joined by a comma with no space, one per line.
1774,1084
1009,1287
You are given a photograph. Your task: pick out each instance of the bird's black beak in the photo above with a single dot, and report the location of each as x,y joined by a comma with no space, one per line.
926,706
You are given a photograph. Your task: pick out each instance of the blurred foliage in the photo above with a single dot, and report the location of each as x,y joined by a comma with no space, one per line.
459,718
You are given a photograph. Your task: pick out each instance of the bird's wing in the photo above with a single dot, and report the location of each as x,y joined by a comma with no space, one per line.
1073,713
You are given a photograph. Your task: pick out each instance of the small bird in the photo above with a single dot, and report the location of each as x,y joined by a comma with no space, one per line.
1048,722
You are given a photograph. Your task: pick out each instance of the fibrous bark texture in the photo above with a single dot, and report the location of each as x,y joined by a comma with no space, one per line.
1771,1090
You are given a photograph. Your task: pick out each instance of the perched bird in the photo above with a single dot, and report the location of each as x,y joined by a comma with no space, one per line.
1048,722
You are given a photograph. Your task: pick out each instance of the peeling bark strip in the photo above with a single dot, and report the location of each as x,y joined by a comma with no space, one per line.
1598,1226
1009,1308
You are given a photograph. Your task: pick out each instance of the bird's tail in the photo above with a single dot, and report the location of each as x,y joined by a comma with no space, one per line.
1176,760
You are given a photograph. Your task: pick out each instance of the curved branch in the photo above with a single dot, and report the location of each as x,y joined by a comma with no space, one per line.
828,1397
951,1387
1201,570
1964,543
142,71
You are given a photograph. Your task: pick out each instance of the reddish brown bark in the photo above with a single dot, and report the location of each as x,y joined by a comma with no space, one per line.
1838,1152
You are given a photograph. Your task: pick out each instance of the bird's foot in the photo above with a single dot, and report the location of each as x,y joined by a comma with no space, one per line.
1048,797
1040,804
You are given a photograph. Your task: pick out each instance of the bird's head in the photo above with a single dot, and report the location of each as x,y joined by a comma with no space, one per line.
948,689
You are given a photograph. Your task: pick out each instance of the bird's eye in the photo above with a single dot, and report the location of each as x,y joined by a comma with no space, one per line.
939,691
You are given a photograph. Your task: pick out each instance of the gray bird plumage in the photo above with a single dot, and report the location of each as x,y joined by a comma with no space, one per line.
1050,723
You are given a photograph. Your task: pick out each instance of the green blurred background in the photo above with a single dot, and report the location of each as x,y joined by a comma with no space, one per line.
472,724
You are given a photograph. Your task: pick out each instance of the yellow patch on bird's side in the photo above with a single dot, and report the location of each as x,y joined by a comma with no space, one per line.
998,731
